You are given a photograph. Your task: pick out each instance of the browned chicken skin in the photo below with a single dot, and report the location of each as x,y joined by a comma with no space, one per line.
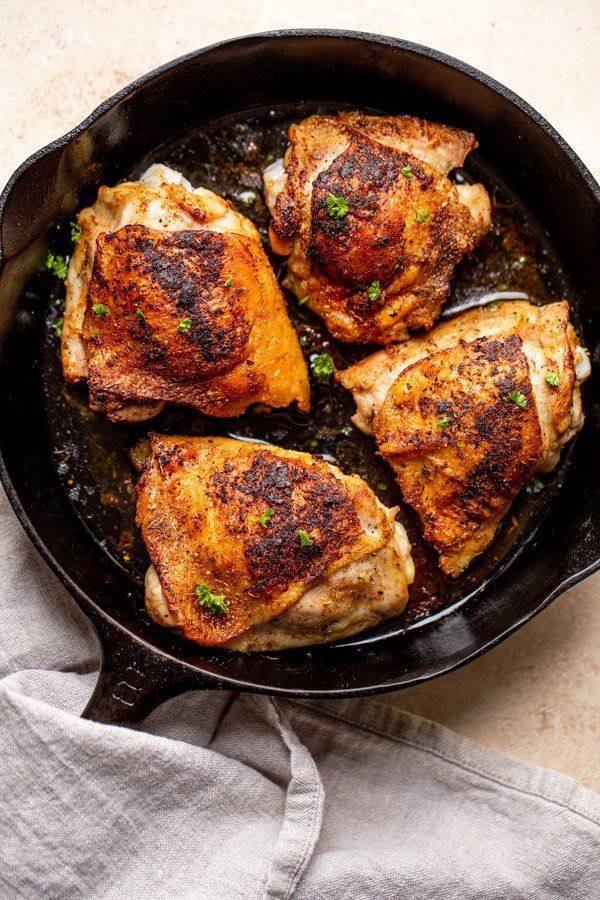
380,264
467,415
299,553
171,299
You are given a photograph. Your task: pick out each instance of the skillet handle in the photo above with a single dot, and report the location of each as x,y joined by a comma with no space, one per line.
133,680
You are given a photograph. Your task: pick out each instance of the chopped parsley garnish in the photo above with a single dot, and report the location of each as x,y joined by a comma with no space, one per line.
407,171
303,300
313,443
374,291
518,398
305,539
140,315
381,486
553,379
444,422
266,517
303,340
185,325
228,283
57,327
494,304
57,265
322,368
215,603
309,653
270,157
337,206
535,486
347,429
420,215
75,232
99,309
248,198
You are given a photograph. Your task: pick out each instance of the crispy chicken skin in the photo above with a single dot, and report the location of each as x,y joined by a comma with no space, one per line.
171,299
200,503
466,416
383,267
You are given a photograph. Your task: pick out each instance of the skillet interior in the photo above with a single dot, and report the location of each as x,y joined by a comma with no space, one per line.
209,94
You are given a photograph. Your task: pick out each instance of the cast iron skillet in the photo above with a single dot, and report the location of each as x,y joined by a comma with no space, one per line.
142,664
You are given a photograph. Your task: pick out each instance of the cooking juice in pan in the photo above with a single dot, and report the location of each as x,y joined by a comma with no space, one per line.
93,457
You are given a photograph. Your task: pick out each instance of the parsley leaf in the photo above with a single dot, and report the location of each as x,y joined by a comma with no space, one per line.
420,216
99,309
75,232
322,368
374,291
228,283
337,206
303,300
215,603
346,430
494,304
518,398
57,265
535,486
266,517
57,327
381,486
140,315
185,325
407,172
305,539
444,422
553,379
303,340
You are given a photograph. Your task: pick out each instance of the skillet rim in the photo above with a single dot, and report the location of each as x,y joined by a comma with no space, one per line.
93,610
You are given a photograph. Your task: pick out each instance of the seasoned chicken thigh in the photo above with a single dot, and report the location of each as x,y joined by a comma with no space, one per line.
467,415
372,227
171,299
258,548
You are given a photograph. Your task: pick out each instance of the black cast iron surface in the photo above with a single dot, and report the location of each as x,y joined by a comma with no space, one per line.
218,116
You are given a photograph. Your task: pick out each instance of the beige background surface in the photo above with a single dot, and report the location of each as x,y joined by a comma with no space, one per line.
537,696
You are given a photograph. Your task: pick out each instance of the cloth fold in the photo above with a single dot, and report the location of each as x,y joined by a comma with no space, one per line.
222,795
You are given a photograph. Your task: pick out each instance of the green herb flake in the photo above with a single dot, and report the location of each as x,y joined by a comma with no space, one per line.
248,198
381,486
313,443
215,603
494,304
185,325
75,232
553,379
309,654
99,309
303,300
407,172
322,368
270,157
57,265
57,327
443,423
518,398
374,291
303,340
140,315
346,430
337,206
305,539
535,486
420,216
266,517
228,283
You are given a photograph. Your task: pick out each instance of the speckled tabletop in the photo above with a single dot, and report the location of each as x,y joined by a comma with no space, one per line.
536,696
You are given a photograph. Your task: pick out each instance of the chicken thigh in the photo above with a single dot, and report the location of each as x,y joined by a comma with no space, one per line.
467,414
372,227
258,548
171,299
